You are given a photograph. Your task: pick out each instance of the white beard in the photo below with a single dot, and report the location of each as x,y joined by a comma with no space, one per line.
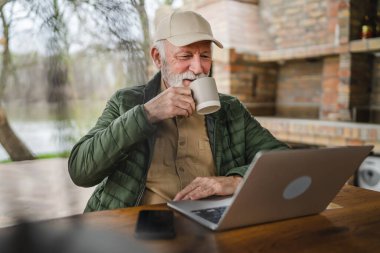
175,80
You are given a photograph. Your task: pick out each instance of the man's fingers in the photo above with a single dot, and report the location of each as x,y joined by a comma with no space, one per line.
203,187
174,101
181,195
186,102
201,192
188,109
197,189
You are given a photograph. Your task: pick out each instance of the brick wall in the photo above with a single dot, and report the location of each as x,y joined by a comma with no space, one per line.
308,25
335,86
299,92
346,88
294,58
323,133
237,25
331,88
241,75
297,23
253,83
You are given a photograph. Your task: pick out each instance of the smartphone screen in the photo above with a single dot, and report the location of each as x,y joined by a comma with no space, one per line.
155,224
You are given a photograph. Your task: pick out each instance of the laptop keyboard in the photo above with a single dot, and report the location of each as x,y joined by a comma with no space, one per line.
211,214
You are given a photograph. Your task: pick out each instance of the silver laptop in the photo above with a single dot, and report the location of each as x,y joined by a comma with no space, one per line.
279,185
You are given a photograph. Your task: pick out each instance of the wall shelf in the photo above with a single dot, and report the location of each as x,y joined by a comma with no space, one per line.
365,45
314,51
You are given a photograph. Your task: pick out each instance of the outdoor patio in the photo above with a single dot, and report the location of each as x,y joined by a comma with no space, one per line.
39,190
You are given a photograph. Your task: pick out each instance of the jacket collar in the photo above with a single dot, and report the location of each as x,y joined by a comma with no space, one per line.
219,115
152,88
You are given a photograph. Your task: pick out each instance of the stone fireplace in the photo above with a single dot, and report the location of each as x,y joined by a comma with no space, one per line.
300,67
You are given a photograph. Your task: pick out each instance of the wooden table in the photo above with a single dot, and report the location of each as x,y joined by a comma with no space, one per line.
353,228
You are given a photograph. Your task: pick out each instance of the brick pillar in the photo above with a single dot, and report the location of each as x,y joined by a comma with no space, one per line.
344,87
335,101
343,18
330,84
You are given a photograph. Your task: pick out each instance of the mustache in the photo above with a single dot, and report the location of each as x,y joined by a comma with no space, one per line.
191,76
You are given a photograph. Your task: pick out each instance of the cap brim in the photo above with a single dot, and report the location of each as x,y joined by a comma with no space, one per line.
187,39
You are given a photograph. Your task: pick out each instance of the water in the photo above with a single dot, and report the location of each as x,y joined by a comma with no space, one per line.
44,137
42,133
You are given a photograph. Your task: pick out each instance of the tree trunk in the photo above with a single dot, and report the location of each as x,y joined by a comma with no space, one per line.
8,139
11,143
140,7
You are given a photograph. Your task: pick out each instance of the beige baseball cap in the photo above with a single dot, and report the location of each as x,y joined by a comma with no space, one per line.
183,28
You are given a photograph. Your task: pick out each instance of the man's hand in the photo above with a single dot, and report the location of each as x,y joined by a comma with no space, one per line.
203,187
174,101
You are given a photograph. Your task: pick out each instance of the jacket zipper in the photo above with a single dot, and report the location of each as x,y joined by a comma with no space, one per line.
214,144
141,192
143,183
150,155
145,176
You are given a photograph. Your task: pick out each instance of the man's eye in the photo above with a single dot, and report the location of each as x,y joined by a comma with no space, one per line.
184,57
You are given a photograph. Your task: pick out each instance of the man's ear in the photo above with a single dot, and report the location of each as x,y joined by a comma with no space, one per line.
156,57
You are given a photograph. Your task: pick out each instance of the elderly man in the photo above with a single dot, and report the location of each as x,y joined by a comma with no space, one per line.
150,146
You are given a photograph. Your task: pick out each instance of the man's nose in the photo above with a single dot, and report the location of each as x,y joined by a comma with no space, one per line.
195,65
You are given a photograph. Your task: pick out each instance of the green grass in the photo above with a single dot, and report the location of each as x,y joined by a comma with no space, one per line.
63,154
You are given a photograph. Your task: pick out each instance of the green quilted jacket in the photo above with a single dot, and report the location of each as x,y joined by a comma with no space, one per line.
117,152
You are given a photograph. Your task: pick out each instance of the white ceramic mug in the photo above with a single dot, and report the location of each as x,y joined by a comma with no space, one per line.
205,95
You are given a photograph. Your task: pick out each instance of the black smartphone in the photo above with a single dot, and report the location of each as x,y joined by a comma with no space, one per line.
155,224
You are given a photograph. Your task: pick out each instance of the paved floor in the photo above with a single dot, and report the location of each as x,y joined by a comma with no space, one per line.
39,190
